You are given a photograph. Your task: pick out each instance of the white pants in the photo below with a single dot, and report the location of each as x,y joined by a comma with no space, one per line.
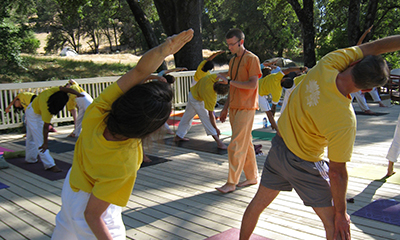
394,149
362,102
194,107
71,223
263,103
34,139
82,103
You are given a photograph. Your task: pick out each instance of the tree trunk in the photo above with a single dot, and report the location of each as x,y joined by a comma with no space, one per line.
306,18
370,18
353,24
144,25
179,15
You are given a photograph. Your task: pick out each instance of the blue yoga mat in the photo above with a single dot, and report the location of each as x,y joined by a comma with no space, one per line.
2,185
383,210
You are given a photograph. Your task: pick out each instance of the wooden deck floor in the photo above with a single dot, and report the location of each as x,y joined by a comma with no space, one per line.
177,199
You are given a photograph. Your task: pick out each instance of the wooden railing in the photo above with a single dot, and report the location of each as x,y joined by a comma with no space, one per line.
93,86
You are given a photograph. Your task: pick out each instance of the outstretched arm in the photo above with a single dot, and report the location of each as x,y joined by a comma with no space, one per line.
175,70
7,110
364,35
210,58
380,46
297,70
152,59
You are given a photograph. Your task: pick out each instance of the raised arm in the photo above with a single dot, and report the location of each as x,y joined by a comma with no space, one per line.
380,46
178,69
364,35
7,110
152,59
210,58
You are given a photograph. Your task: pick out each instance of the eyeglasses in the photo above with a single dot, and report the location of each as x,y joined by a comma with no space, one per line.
232,44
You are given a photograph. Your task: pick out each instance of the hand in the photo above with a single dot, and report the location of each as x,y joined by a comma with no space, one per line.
174,43
223,78
223,115
43,148
218,132
80,95
7,110
342,226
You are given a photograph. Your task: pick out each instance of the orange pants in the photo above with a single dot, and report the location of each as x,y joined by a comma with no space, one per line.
241,153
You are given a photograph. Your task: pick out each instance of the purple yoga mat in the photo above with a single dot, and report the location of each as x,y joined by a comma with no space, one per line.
383,210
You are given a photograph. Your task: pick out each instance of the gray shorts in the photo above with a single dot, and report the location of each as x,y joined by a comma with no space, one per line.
284,171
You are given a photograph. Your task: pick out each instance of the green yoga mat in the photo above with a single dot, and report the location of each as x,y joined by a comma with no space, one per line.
262,135
373,172
256,135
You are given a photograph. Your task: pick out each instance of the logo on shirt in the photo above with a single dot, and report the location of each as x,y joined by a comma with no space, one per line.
313,93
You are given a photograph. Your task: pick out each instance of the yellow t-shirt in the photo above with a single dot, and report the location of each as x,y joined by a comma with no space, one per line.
25,98
199,74
71,104
204,91
318,115
249,66
271,84
105,168
39,104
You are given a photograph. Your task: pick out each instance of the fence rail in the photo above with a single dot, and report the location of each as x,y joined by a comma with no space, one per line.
93,86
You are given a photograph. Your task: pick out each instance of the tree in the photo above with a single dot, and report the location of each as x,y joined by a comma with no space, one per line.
145,26
306,18
179,15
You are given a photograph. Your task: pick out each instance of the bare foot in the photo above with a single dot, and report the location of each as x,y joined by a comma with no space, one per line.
71,135
248,183
54,169
170,132
227,188
178,139
146,158
222,146
174,43
369,112
382,105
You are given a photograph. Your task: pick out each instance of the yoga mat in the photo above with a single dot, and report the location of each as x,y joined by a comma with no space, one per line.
262,135
181,114
2,150
154,161
176,122
383,210
373,172
38,169
2,185
375,113
55,146
198,145
233,234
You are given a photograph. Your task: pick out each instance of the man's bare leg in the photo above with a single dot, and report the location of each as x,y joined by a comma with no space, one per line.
327,216
390,169
220,144
248,182
227,188
261,200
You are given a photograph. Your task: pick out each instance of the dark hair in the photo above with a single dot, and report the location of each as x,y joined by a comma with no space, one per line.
235,32
266,71
170,79
140,111
221,89
370,72
209,65
288,80
18,109
57,102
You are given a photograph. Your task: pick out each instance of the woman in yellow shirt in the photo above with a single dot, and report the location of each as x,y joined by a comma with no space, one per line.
108,152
